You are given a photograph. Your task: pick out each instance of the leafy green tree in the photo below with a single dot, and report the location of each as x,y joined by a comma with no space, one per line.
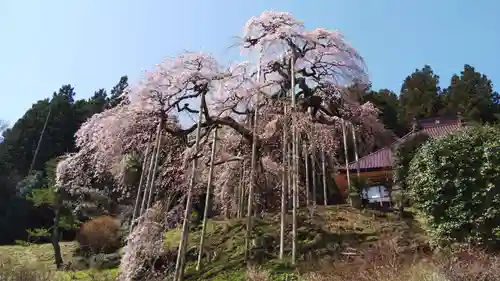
62,217
472,95
419,96
18,149
66,117
34,180
384,102
390,110
16,214
403,152
117,91
95,104
21,141
455,182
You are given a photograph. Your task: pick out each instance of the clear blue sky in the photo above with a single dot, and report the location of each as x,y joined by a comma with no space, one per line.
91,43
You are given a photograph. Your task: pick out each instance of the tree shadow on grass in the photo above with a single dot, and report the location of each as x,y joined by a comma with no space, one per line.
216,268
224,251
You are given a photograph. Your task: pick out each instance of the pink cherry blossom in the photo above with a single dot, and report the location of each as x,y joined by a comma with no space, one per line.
325,65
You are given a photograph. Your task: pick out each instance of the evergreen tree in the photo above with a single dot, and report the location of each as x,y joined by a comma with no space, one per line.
390,110
18,149
95,104
472,95
117,91
419,96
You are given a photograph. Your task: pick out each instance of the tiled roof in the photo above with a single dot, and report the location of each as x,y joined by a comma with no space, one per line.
382,158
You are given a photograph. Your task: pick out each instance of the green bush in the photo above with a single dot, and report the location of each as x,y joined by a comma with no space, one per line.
357,184
403,153
455,182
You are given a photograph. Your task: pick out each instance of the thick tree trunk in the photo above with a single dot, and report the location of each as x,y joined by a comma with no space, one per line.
55,231
140,189
179,265
207,199
323,166
284,185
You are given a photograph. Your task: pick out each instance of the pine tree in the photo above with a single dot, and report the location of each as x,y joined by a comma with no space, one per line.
116,97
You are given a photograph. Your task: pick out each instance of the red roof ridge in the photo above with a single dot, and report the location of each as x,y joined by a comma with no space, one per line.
398,140
383,148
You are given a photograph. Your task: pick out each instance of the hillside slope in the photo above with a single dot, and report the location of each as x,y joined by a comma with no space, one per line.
333,233
331,237
35,262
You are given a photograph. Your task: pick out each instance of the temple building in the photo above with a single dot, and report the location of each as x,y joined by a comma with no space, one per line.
377,167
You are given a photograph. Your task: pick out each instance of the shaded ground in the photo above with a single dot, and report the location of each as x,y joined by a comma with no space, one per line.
333,233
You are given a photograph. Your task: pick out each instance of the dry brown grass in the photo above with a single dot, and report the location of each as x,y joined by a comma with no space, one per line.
23,274
388,261
99,235
383,261
468,264
257,274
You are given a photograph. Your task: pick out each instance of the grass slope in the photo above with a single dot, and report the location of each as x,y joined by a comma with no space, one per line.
327,236
35,255
37,260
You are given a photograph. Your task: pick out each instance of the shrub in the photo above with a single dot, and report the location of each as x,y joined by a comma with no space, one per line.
99,235
455,182
402,154
357,184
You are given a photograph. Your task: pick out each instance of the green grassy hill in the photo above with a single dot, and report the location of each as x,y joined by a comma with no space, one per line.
333,233
337,239
35,262
35,255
